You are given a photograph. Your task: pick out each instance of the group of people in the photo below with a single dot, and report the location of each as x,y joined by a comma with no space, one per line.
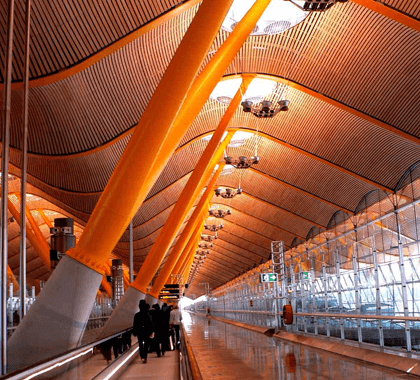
152,328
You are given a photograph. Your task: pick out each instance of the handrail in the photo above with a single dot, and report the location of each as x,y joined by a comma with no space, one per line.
331,315
31,372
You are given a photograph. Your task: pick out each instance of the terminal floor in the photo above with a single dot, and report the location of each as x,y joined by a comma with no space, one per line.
224,351
163,368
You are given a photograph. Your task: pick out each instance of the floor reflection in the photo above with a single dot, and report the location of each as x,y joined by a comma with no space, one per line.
225,351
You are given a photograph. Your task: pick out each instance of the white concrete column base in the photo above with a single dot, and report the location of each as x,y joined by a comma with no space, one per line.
56,321
151,300
123,315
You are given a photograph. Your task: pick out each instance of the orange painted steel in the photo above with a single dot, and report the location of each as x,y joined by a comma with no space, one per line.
132,179
185,236
36,230
390,13
191,245
115,46
11,277
106,286
43,216
195,184
39,244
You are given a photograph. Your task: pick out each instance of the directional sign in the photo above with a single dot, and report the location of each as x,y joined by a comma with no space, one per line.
268,277
169,291
168,297
171,286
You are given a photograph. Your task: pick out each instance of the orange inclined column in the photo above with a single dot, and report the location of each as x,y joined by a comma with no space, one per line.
195,184
185,236
131,180
66,300
36,239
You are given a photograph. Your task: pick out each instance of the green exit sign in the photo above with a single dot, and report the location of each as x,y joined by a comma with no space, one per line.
268,277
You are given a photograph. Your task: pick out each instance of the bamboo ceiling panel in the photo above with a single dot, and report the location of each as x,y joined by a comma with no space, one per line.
261,227
350,54
68,31
236,245
411,7
271,214
337,136
268,190
242,242
94,106
241,262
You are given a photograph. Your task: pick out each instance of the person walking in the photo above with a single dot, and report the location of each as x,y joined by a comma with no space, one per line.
175,319
143,329
161,330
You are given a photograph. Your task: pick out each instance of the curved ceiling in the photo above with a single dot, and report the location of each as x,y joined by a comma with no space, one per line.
353,124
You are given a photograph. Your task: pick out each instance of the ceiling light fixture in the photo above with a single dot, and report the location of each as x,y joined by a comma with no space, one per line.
227,193
213,227
219,213
316,5
242,162
209,238
279,16
202,252
265,108
205,245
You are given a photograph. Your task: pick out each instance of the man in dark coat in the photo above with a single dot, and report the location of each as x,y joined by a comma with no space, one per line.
161,331
143,329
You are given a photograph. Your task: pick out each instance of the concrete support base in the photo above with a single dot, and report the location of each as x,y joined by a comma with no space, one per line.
56,321
151,300
123,315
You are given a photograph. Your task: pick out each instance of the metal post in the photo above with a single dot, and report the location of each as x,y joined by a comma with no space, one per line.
312,259
4,184
378,292
131,264
293,283
356,288
22,257
340,296
324,282
403,282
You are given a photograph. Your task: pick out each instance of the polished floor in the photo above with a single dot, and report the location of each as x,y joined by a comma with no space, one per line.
163,368
224,351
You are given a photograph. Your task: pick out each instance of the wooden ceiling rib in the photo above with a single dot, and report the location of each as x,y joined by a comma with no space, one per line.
353,123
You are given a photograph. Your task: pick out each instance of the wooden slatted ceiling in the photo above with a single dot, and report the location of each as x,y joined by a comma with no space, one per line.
269,213
99,103
65,32
337,30
350,54
269,191
410,7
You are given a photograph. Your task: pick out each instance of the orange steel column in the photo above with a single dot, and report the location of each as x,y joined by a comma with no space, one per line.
195,184
40,245
43,216
11,277
131,180
182,241
197,96
190,246
202,171
187,264
106,286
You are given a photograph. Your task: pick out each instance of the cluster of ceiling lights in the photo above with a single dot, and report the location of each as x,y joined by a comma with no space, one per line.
279,16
